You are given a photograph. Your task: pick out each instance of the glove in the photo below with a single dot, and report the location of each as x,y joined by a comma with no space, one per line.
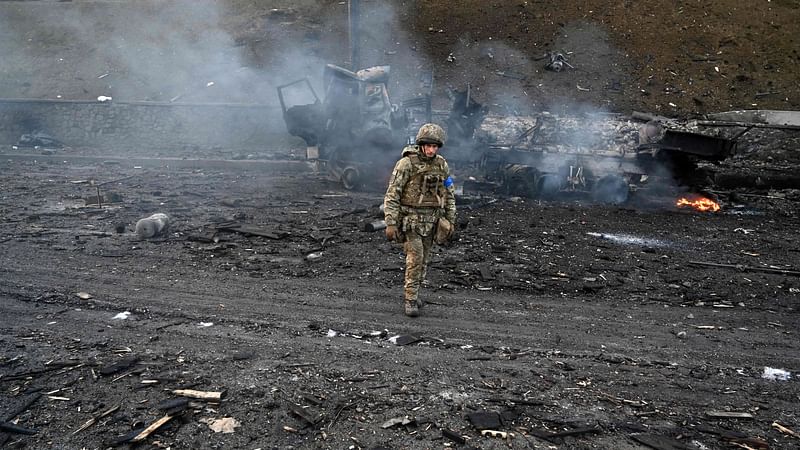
392,233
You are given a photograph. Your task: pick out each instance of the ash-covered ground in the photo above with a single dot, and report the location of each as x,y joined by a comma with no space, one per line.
556,324
562,324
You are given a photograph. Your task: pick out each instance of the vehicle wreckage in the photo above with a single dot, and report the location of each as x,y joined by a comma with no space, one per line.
355,133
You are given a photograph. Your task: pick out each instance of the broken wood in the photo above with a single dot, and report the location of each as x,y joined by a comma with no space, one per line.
200,395
151,429
94,419
50,368
303,414
252,230
11,428
453,436
11,415
724,123
785,430
562,434
660,442
746,268
119,366
728,415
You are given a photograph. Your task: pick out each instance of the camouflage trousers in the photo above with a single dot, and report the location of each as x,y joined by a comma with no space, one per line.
418,255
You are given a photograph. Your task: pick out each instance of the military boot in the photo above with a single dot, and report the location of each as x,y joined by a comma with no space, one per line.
411,308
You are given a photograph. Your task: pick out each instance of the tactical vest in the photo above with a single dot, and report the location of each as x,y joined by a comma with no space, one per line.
425,187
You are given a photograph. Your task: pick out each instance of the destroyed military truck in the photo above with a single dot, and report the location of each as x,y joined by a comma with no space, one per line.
354,132
605,156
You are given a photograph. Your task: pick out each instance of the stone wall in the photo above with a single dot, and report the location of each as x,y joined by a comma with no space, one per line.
139,125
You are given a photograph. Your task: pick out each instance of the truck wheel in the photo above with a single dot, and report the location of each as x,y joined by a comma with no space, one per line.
611,189
521,180
351,179
550,186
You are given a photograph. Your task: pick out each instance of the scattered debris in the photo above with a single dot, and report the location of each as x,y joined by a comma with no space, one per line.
84,295
556,62
404,339
552,437
743,268
223,425
661,442
119,366
728,415
398,421
39,139
495,434
485,420
153,226
374,226
150,429
313,256
237,227
776,374
94,419
11,428
453,436
200,395
785,430
122,316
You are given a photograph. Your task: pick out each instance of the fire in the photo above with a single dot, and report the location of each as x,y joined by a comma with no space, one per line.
698,203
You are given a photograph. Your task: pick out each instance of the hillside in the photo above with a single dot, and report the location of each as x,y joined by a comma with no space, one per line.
667,57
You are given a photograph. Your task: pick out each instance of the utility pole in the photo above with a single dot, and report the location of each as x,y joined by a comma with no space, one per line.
354,15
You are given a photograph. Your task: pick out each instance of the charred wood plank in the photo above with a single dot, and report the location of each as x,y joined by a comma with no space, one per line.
51,367
303,414
11,428
11,415
554,437
453,436
724,123
746,268
150,429
200,395
119,366
94,419
660,442
253,231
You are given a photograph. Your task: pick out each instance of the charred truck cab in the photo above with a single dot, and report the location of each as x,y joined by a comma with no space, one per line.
354,132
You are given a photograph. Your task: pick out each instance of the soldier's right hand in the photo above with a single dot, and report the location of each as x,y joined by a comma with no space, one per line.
392,233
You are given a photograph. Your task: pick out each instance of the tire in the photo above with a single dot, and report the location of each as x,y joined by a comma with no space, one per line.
351,179
550,186
611,190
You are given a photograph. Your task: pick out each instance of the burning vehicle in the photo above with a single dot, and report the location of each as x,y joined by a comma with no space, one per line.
354,132
354,135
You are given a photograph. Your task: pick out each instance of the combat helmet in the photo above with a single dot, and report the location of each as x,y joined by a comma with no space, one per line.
430,133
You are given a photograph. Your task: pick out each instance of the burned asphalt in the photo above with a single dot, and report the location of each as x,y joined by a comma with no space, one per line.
554,324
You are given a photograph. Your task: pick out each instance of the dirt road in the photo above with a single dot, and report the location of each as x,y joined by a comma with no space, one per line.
543,318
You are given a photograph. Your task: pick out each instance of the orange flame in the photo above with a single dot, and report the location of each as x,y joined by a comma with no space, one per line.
698,203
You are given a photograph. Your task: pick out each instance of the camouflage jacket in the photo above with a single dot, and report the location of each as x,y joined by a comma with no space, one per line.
420,192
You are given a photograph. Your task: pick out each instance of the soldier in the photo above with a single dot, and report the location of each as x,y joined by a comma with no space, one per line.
419,207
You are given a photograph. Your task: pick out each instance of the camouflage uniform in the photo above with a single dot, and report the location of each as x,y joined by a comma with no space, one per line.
420,192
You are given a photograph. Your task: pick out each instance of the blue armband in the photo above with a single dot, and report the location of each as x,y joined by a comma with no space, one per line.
448,182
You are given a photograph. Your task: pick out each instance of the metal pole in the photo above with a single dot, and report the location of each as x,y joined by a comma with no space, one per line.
354,15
